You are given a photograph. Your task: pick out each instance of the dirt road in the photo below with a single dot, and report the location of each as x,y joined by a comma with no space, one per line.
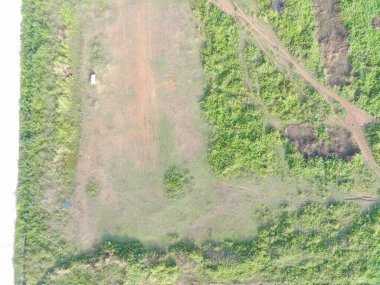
354,120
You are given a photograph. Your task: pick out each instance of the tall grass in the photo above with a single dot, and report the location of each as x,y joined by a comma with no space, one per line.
49,132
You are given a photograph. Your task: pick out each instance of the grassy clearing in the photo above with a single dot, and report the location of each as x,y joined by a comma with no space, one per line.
330,243
50,124
320,243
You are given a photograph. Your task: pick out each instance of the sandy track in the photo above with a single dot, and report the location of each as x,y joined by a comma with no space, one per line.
133,52
145,89
354,120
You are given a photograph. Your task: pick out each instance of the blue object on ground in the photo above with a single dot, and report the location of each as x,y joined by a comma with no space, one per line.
66,204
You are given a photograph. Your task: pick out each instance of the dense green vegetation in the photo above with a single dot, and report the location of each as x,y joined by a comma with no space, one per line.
93,187
177,182
244,93
373,137
48,136
318,244
364,41
295,27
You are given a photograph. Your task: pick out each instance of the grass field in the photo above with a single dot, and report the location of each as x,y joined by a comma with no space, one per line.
197,157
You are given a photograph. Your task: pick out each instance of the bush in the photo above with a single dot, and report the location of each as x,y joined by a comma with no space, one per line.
98,54
177,181
93,187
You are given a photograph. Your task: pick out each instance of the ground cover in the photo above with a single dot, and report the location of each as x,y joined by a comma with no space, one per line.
251,144
333,243
49,132
142,167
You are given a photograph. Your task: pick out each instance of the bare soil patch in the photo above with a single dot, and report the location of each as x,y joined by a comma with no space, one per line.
376,22
305,139
278,5
332,36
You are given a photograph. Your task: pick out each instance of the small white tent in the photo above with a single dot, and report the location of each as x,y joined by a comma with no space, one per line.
93,78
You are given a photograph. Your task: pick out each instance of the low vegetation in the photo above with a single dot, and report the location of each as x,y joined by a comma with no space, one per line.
49,133
245,92
177,182
357,15
93,187
330,243
296,29
98,53
252,107
373,137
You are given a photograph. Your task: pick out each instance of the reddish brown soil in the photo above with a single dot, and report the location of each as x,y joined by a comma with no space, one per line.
355,118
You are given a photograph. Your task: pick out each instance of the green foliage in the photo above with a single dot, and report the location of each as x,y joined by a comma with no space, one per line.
364,41
245,90
49,124
296,29
93,187
333,243
240,143
98,53
373,137
177,182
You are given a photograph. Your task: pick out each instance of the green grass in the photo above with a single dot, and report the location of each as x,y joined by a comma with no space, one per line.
93,187
373,137
364,41
98,53
49,134
296,29
241,142
177,182
333,243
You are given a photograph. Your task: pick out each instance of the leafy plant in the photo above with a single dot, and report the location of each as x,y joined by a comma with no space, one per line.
177,182
93,187
98,53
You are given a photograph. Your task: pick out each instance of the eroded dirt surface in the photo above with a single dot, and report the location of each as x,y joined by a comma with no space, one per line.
354,120
332,36
376,22
339,142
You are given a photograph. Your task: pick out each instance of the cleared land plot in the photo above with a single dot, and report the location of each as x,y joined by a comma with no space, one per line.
142,118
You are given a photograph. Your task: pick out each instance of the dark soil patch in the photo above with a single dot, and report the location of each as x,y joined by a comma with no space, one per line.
278,5
376,22
332,36
305,139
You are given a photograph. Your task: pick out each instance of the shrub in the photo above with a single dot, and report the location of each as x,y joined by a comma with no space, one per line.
177,181
98,53
93,187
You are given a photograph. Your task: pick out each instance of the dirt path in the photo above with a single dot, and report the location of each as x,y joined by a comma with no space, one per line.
354,120
136,75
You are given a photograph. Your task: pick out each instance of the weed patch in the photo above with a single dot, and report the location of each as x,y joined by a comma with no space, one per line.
177,182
